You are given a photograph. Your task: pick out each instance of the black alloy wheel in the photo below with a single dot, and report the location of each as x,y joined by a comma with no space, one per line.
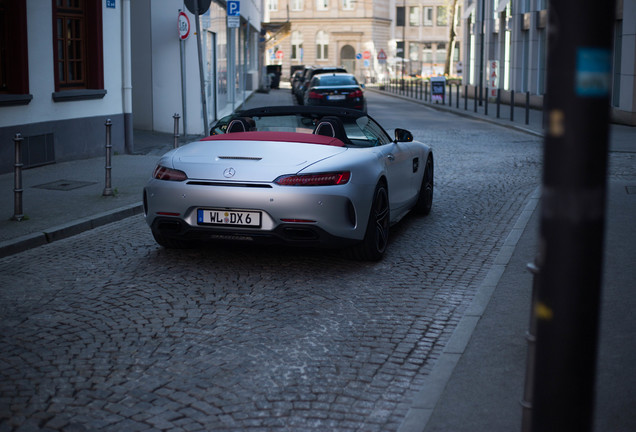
376,237
425,199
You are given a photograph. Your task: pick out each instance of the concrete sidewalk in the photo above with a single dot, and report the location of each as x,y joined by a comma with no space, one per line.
477,383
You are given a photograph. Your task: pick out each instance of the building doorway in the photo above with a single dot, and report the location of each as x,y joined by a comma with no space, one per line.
348,58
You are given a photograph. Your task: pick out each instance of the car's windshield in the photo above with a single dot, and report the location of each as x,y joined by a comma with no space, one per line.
360,132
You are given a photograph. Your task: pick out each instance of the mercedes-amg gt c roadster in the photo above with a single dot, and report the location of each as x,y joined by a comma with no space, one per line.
307,176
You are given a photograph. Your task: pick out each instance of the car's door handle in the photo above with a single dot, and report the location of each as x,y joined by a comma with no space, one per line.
390,157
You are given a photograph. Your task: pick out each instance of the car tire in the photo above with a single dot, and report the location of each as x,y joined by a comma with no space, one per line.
425,199
376,237
171,243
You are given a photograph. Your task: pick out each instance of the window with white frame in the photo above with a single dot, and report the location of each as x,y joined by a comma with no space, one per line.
322,5
322,45
442,16
427,16
296,45
272,5
413,51
347,4
297,5
414,16
440,53
427,53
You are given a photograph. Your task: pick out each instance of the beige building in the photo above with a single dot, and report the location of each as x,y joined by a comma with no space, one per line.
365,36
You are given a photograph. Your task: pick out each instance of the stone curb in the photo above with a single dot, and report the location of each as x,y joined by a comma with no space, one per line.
30,241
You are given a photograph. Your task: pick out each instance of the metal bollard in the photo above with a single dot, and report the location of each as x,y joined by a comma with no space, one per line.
18,214
176,117
512,105
108,190
498,101
531,337
457,98
476,98
450,95
465,97
527,107
486,104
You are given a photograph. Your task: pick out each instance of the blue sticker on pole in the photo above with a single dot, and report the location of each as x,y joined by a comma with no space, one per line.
233,8
593,72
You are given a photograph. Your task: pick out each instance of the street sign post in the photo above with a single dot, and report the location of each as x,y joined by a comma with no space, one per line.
184,26
233,14
183,23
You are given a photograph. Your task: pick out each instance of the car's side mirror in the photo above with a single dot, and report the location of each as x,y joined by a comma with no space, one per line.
402,135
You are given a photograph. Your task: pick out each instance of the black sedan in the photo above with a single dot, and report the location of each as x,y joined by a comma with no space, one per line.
336,89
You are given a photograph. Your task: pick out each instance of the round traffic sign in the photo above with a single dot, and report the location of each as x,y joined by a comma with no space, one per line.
279,54
366,55
184,26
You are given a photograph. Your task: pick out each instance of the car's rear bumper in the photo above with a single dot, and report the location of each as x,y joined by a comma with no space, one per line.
297,234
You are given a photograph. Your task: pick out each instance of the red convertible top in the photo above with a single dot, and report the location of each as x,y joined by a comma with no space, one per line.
307,138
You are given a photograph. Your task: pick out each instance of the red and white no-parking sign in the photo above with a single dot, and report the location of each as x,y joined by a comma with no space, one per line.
184,26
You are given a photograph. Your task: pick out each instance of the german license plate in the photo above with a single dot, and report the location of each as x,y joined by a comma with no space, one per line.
335,97
229,217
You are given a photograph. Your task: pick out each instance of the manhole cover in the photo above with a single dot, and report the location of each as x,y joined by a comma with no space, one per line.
64,185
631,189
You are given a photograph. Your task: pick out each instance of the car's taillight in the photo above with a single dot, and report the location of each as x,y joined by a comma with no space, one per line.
324,179
355,94
315,95
163,173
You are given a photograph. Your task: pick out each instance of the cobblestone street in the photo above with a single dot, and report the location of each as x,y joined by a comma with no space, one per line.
108,331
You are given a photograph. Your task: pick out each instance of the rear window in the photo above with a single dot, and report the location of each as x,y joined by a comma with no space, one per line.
336,80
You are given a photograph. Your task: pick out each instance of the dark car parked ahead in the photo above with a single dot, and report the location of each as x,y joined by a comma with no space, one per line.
336,89
308,74
296,80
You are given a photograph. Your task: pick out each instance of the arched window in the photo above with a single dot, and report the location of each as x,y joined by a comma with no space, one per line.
296,45
322,45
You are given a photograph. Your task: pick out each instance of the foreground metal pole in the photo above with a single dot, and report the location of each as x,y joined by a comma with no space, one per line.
17,179
572,223
176,129
108,190
531,337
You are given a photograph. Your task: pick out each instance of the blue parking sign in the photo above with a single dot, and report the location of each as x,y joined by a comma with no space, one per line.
233,8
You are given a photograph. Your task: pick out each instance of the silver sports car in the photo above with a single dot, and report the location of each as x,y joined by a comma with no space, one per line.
299,175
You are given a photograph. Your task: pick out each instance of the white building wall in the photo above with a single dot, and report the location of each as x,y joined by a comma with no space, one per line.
70,129
157,90
42,108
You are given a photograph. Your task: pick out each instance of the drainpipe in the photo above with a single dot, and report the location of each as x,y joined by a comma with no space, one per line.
127,77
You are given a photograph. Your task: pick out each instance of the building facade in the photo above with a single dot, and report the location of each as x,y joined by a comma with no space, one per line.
328,33
373,39
63,73
425,26
66,66
505,47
